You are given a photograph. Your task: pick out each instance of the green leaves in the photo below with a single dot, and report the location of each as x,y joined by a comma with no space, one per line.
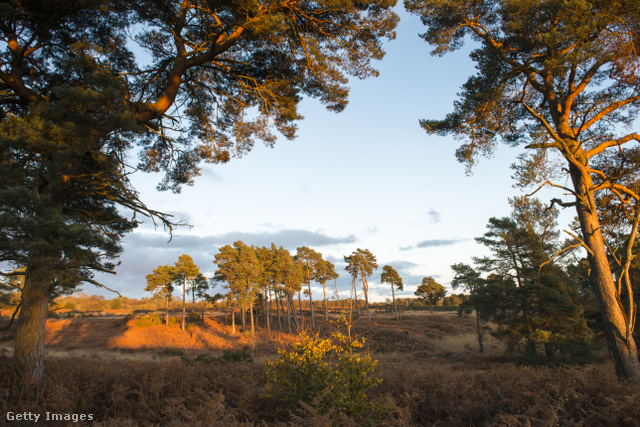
391,276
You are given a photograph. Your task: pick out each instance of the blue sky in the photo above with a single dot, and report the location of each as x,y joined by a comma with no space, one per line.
368,177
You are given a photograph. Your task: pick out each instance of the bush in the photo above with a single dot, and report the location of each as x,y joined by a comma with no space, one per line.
326,374
152,319
115,304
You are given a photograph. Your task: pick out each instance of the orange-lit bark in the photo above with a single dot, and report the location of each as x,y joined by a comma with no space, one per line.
623,350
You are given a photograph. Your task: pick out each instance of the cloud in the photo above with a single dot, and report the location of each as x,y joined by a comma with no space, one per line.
434,215
438,242
144,251
432,243
289,238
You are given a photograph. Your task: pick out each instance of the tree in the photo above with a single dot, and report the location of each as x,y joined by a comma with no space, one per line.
325,270
186,271
390,275
528,295
561,77
74,101
290,276
431,291
238,265
199,288
309,259
160,284
362,262
469,279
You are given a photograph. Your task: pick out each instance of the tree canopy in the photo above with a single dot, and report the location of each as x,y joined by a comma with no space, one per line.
84,84
561,78
430,291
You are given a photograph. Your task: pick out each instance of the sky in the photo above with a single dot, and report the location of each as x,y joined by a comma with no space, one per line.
368,178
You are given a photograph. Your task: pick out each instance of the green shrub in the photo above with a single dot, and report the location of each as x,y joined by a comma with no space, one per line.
328,374
174,322
115,304
193,316
237,355
151,319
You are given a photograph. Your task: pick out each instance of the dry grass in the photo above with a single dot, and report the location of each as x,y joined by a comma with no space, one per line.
129,375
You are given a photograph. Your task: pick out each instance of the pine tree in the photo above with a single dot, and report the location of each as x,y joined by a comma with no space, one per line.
390,275
430,291
160,284
325,270
309,260
75,100
186,271
362,262
560,78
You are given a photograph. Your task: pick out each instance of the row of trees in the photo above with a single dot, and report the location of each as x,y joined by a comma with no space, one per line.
275,276
272,277
184,272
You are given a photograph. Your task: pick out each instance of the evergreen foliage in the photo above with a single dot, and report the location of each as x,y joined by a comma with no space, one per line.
75,100
431,291
533,301
561,78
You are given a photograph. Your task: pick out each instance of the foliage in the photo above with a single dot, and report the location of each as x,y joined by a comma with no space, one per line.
326,373
390,275
152,319
431,291
75,100
530,298
361,263
561,78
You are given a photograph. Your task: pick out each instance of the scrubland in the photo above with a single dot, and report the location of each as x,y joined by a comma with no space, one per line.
127,372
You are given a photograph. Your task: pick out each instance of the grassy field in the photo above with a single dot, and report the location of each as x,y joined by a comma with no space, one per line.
126,373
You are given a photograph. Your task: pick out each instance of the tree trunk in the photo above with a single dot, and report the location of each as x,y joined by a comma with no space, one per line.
28,353
253,329
365,287
295,314
625,354
267,309
166,309
278,300
324,291
300,306
244,319
184,292
233,319
313,323
480,332
395,303
355,295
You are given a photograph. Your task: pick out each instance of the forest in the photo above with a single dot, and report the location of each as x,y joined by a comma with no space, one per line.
541,330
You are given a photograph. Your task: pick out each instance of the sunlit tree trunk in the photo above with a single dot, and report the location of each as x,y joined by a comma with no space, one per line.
623,347
365,287
184,310
324,291
244,321
278,304
300,306
166,307
253,329
313,323
395,303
